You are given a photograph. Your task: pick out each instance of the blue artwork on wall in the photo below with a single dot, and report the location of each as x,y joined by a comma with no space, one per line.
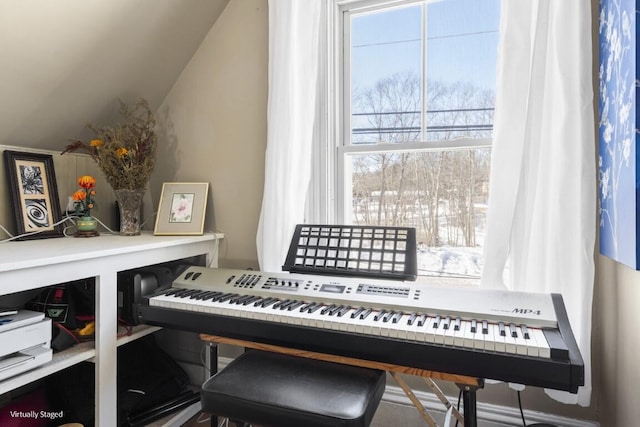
619,176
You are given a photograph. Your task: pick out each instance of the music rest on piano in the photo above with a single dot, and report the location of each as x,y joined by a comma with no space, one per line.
510,336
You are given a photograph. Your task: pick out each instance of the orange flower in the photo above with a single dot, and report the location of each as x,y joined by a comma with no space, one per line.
83,200
96,143
79,196
86,181
121,152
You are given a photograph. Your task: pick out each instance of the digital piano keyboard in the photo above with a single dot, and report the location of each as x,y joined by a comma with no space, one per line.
516,337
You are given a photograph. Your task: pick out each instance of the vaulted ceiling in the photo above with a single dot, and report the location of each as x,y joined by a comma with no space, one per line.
66,62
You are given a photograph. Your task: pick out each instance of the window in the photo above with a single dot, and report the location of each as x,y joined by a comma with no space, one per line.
415,84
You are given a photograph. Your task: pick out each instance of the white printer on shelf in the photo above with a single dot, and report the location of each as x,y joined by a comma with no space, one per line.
25,342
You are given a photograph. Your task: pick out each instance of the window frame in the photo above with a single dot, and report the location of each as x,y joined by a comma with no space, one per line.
329,199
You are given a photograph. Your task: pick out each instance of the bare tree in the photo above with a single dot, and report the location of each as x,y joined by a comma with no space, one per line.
432,189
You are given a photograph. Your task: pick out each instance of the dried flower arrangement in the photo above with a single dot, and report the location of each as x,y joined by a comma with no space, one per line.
125,152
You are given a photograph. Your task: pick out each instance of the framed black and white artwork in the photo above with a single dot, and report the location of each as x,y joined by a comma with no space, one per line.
34,194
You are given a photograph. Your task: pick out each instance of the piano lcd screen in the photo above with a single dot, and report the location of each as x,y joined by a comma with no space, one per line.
334,289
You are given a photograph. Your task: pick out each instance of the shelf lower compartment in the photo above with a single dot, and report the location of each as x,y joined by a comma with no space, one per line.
78,353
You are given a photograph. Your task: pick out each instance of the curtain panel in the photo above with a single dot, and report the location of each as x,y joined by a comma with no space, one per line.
541,222
294,36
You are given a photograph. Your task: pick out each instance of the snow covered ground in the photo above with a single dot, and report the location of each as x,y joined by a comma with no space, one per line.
450,266
450,261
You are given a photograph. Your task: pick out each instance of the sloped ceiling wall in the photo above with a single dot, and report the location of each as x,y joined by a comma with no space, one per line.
66,62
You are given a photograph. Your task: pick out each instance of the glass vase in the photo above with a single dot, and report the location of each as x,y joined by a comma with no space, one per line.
130,206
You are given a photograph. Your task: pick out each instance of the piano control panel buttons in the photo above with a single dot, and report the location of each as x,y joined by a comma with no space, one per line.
274,283
384,290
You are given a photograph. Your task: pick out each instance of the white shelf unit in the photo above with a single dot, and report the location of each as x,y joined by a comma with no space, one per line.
39,263
79,353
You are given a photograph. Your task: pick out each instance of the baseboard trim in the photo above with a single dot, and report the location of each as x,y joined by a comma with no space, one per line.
488,414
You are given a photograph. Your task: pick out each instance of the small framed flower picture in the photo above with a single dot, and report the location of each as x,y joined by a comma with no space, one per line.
182,208
34,193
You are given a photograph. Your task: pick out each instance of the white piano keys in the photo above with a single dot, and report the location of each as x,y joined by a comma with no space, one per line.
458,335
510,342
398,325
314,319
428,330
220,308
403,326
467,336
271,313
333,320
289,314
489,338
521,345
344,316
500,343
359,321
449,335
477,336
439,332
541,343
532,345
297,317
414,330
383,319
384,323
372,326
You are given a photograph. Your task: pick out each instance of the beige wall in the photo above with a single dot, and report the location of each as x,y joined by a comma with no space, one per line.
616,304
213,127
67,62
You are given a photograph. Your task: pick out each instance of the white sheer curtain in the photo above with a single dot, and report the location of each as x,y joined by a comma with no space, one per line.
293,69
542,191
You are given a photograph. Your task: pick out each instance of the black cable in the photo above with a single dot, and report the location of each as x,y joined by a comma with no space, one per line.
524,423
458,406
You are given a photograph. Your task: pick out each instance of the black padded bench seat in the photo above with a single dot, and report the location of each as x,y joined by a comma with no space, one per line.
271,389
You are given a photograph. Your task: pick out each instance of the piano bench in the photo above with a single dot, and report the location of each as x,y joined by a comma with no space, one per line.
271,389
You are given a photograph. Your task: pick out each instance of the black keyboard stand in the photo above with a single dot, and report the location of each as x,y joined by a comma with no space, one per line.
469,404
